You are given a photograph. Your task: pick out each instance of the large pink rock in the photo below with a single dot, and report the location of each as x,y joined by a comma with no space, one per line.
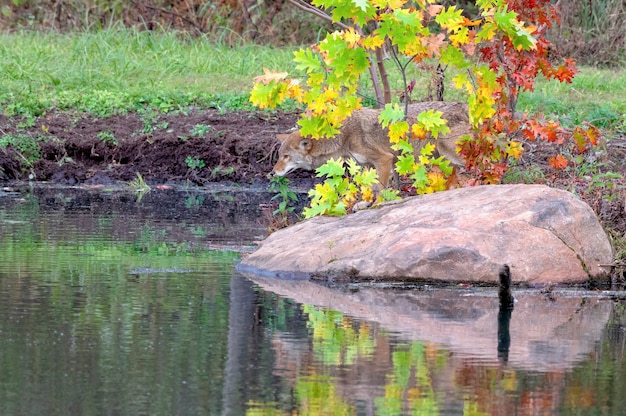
545,235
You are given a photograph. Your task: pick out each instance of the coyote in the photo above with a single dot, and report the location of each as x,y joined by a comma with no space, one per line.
363,138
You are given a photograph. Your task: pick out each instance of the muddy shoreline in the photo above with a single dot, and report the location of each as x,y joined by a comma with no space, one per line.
209,147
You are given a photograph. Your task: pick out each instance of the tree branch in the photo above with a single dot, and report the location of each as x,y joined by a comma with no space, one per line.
317,12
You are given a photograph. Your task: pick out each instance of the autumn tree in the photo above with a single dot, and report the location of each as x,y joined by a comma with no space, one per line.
491,57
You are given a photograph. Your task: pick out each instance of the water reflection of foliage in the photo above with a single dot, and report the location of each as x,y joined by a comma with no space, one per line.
337,339
344,347
410,381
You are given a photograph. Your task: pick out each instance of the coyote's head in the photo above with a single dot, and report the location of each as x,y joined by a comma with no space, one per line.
294,153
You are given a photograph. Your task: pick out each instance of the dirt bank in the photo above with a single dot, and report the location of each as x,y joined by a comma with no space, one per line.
199,147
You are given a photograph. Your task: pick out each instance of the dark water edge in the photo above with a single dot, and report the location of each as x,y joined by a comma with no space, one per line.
228,217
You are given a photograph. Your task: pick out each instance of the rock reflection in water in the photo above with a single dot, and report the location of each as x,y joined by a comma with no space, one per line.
451,344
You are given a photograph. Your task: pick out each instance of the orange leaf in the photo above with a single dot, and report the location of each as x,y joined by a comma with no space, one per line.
434,9
558,162
436,43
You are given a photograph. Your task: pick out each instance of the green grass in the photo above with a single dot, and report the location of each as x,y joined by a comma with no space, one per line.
595,95
122,70
116,71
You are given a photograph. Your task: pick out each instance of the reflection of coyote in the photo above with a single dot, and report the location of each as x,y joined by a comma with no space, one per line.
362,138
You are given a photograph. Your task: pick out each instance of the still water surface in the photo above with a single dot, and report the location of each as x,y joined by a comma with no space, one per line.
111,304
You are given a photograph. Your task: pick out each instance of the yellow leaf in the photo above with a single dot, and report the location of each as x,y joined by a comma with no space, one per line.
514,149
330,95
398,130
367,195
296,92
461,37
416,49
372,42
437,181
419,132
351,37
461,81
384,4
428,149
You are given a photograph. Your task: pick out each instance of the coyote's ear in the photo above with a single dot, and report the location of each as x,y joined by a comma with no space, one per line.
282,137
306,145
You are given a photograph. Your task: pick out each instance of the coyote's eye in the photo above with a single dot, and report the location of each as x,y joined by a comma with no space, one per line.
285,157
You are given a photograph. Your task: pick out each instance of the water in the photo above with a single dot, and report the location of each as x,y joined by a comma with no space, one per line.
115,303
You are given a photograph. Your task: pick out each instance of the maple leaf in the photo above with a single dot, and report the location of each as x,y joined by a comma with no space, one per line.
431,121
367,194
412,18
558,162
361,4
451,19
398,130
461,37
351,37
420,178
419,132
405,164
437,181
372,42
585,136
435,44
390,114
453,56
391,4
334,167
487,31
365,177
565,73
270,76
307,61
514,149
403,146
462,81
416,48
427,149
434,9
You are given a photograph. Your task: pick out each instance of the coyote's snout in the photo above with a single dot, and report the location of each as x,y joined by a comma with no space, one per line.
362,137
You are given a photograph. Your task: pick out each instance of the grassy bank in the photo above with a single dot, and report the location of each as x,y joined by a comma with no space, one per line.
117,71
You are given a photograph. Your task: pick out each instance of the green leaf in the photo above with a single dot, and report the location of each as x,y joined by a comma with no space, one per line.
389,194
365,177
267,95
420,178
408,17
390,114
405,164
509,23
403,146
453,56
348,9
332,168
307,61
431,121
451,18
